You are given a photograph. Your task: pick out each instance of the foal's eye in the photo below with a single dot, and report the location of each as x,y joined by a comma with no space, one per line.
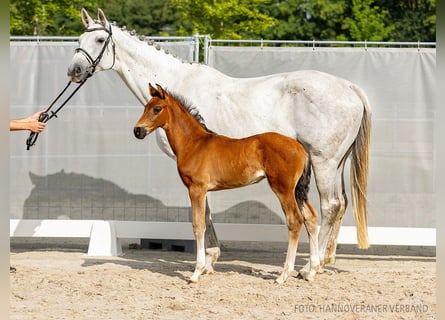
157,109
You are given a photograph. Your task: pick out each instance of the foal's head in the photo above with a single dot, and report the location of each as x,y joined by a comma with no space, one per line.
155,113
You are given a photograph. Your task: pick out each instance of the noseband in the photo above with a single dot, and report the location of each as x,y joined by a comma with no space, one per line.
94,62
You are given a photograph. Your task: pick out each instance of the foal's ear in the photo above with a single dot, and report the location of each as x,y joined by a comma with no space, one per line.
159,92
86,19
101,17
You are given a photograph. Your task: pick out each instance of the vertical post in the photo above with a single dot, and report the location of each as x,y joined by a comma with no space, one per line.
206,49
196,50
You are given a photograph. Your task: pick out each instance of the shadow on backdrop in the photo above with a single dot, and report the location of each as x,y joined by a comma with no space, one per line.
73,195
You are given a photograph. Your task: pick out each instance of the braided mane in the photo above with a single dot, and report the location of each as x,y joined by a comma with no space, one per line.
148,41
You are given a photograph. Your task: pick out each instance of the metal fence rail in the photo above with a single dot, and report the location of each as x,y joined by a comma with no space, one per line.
319,43
314,44
192,39
208,42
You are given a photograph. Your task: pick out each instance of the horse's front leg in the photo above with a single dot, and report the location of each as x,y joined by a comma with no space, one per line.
197,198
211,242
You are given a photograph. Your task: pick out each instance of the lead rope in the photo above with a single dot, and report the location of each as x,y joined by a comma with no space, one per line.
45,116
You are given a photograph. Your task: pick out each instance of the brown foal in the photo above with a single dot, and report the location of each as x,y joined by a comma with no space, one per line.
207,161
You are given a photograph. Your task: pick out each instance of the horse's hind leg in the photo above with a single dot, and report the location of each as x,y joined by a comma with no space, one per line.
211,242
310,220
332,205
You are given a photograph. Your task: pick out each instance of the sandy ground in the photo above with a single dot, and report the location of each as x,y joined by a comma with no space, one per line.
64,283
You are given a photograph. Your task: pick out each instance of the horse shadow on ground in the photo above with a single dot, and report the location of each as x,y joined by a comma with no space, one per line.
250,259
263,265
74,196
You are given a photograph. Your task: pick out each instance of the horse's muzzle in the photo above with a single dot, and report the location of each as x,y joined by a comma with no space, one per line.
77,72
140,132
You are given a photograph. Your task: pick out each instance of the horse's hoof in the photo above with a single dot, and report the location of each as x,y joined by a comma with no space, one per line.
328,261
210,270
213,253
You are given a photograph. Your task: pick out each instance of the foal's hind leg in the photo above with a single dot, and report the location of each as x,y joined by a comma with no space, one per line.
310,220
294,221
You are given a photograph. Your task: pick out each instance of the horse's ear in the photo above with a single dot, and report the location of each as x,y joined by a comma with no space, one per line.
86,19
101,16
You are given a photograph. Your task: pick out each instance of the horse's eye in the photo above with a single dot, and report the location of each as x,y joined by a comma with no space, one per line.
101,40
157,109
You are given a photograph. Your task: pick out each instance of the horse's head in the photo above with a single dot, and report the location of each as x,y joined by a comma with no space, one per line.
155,113
96,48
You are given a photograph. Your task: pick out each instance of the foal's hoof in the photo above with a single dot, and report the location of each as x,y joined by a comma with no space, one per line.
308,276
309,271
193,279
282,278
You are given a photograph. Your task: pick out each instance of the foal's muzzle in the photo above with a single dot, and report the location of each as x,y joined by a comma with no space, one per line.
140,132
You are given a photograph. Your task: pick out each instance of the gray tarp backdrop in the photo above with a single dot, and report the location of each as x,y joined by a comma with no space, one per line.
88,165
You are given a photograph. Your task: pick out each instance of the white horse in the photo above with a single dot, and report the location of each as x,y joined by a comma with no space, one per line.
330,116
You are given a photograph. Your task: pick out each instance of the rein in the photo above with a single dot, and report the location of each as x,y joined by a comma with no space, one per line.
45,116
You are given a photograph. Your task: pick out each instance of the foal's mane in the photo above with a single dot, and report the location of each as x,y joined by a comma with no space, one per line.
188,107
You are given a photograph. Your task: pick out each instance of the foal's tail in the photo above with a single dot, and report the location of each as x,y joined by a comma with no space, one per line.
359,172
302,188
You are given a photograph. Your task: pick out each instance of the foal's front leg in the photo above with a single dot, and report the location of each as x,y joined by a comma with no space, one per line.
197,198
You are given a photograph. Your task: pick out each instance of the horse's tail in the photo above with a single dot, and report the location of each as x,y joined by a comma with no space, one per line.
302,188
359,172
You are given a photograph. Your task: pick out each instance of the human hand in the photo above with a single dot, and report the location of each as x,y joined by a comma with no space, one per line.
29,123
34,124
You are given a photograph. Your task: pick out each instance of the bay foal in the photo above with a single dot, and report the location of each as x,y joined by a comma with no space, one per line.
207,161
